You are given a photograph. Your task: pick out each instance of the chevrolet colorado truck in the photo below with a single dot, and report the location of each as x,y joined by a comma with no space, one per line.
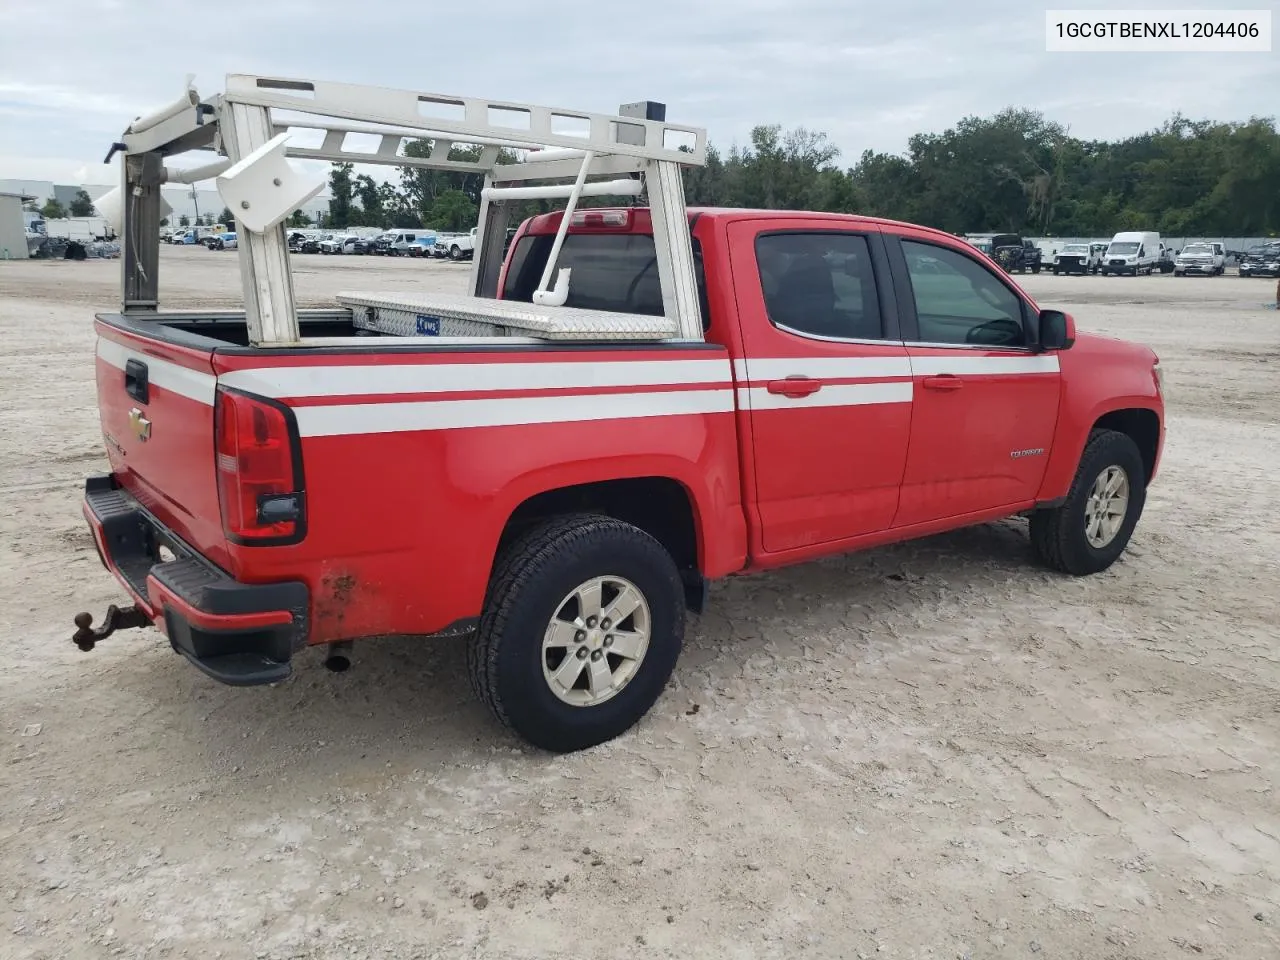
560,505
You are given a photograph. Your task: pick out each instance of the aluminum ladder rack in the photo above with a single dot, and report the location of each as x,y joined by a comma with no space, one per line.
565,154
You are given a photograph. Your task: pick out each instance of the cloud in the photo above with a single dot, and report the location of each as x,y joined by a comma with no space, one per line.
868,75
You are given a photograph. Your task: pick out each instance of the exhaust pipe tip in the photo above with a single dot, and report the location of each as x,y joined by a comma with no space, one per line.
338,659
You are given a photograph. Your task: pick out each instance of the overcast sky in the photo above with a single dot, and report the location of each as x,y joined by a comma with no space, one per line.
74,72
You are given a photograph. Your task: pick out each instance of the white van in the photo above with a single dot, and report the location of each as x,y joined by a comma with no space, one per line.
1133,253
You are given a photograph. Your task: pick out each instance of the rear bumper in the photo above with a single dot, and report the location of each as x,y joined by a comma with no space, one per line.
238,633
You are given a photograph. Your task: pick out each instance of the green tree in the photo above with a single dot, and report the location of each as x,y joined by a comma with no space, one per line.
82,204
342,190
299,219
1014,170
227,218
370,194
53,210
452,210
184,221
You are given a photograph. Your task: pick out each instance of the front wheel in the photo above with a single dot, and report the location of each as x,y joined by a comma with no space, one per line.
582,626
455,253
1036,268
1091,529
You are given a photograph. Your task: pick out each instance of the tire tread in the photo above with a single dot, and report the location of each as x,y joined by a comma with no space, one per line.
519,567
516,564
1051,530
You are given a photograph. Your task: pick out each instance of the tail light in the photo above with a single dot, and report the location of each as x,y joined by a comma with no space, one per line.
259,467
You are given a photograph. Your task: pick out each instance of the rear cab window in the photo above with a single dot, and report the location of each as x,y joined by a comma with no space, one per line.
617,272
819,284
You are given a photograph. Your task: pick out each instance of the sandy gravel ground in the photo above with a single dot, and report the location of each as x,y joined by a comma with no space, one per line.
935,750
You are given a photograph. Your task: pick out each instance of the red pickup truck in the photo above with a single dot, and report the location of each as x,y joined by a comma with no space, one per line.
562,505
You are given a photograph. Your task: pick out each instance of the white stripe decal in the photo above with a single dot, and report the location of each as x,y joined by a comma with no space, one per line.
381,379
163,373
454,414
973,366
839,395
829,368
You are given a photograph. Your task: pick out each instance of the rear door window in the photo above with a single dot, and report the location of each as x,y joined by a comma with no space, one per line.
819,284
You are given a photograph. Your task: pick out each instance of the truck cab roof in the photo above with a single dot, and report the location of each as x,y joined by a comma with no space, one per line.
594,218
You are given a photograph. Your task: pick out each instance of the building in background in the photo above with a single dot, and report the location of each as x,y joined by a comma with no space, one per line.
13,229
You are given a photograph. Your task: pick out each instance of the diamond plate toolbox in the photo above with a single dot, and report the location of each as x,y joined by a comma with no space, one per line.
448,315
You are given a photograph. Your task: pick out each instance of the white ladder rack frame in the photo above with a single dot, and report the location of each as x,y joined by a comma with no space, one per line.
249,113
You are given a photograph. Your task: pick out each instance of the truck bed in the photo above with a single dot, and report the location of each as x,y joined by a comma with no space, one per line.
449,317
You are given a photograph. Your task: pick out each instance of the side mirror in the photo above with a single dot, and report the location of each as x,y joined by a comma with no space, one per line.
1057,330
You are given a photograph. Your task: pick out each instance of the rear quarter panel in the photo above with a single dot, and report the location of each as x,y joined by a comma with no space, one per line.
415,461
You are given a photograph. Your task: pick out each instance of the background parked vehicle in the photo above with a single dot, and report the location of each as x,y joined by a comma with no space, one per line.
338,243
441,246
421,247
1261,261
403,240
1205,258
222,241
1132,253
1081,258
462,246
1014,254
191,236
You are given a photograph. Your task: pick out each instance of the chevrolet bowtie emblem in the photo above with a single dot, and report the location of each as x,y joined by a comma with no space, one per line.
140,425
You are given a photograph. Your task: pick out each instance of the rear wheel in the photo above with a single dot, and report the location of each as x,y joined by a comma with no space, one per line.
1091,529
455,253
581,629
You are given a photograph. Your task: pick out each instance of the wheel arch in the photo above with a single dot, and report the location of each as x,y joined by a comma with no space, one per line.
1135,416
1142,426
661,506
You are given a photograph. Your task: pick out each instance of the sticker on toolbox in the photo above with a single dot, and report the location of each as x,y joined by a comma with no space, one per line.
428,326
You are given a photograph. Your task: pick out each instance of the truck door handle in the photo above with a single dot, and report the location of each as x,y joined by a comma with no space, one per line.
795,386
136,383
943,381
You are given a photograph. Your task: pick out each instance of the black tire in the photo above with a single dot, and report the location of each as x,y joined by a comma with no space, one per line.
1058,535
1036,268
530,579
455,253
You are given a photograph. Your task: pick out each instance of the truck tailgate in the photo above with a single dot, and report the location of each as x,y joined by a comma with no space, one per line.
156,404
